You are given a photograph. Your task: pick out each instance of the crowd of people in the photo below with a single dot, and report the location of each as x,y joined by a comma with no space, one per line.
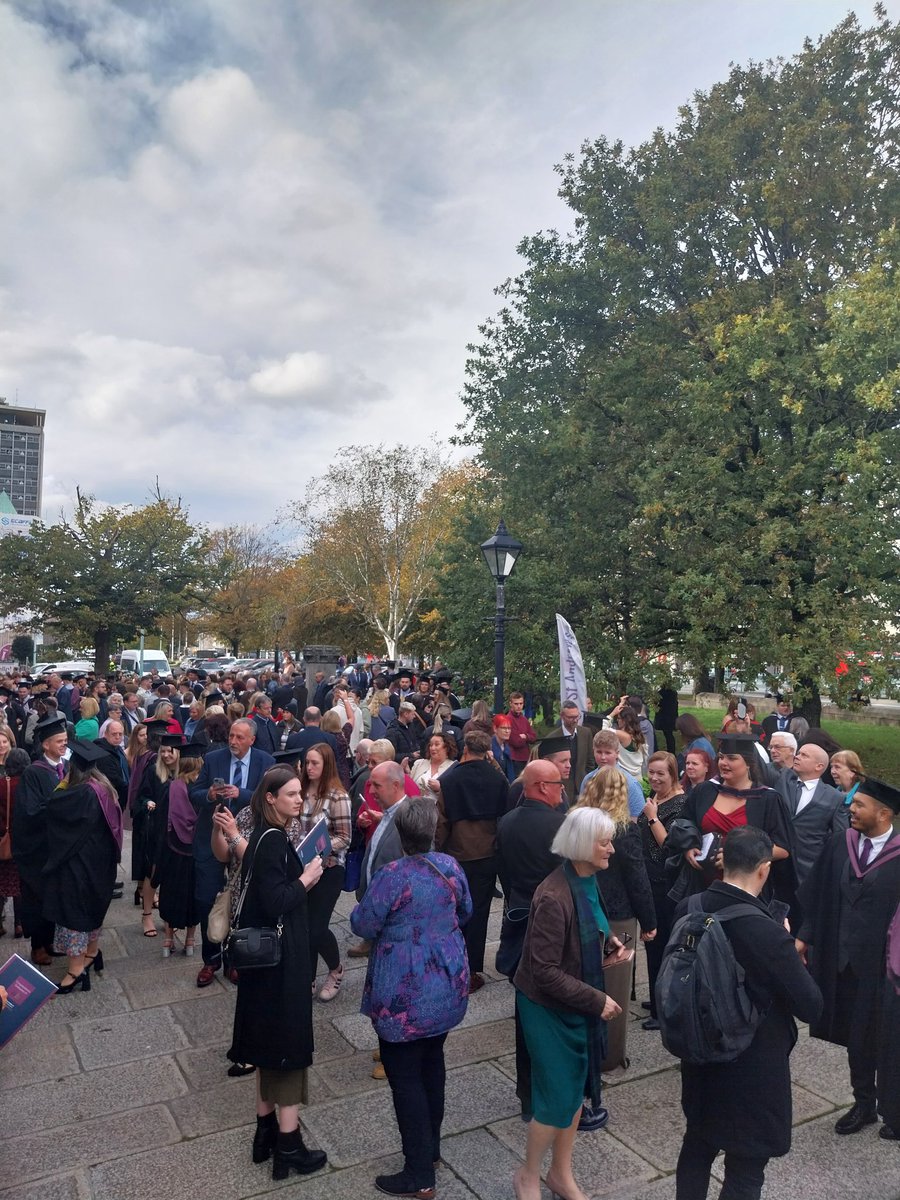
599,841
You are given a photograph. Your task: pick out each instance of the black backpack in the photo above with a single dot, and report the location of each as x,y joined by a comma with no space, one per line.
702,1005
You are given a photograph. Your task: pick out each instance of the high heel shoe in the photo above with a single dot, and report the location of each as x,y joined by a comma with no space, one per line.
188,948
167,947
152,931
265,1138
83,980
292,1155
94,962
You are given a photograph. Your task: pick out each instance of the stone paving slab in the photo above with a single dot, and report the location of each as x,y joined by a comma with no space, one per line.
356,1183
209,1023
62,1187
602,1164
483,1163
474,1095
206,1067
348,1076
91,1094
86,1143
105,999
822,1165
821,1068
168,982
111,1040
36,1055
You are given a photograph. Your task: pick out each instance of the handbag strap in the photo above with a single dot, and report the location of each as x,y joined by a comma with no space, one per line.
8,801
438,871
246,887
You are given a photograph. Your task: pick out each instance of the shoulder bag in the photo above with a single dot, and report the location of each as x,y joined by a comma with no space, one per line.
250,948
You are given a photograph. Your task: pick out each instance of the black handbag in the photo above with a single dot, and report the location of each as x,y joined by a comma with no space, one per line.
250,948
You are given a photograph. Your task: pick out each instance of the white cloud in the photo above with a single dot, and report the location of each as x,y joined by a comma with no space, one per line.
239,236
298,374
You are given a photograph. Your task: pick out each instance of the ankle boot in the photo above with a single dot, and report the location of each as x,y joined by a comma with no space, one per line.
264,1138
292,1155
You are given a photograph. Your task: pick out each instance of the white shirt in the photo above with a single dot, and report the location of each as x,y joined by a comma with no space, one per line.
806,793
878,844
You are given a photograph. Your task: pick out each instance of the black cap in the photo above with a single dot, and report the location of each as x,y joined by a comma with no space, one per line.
193,750
52,724
212,698
735,743
170,739
86,753
592,720
553,745
884,793
287,758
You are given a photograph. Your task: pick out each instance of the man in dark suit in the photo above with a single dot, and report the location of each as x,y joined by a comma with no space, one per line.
310,734
241,767
267,736
816,811
115,766
581,745
780,719
472,798
388,788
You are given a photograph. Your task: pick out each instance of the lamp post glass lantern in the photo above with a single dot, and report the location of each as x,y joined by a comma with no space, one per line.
280,620
500,553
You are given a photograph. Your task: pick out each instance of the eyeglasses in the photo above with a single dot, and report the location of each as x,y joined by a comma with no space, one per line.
552,783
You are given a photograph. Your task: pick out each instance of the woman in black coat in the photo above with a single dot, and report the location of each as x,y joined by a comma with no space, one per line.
273,1018
627,897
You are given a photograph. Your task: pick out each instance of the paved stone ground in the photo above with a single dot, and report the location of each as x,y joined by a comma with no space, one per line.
121,1094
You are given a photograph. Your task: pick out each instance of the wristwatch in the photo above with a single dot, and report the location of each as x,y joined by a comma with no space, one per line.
652,820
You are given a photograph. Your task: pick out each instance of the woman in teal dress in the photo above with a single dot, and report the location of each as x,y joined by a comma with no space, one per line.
560,999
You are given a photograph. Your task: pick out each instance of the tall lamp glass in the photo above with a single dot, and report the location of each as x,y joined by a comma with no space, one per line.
500,553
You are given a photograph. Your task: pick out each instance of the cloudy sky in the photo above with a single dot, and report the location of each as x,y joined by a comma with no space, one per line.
240,234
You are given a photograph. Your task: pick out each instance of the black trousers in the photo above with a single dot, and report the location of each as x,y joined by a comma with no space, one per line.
669,735
481,874
743,1175
320,902
416,1073
665,911
863,1001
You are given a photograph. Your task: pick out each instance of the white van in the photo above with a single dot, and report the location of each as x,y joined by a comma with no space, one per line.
154,660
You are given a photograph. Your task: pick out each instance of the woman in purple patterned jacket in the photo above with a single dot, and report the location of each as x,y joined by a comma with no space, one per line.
417,985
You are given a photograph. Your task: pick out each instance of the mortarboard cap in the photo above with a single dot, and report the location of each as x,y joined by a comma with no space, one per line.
553,745
735,743
193,749
884,793
212,698
592,720
86,753
52,724
169,739
288,758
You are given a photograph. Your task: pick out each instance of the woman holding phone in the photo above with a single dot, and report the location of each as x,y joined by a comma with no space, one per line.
561,998
325,796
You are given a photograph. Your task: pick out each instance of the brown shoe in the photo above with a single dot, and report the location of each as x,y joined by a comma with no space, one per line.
360,951
475,982
378,1072
206,975
41,958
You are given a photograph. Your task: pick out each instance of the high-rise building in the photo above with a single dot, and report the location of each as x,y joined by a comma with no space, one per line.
22,457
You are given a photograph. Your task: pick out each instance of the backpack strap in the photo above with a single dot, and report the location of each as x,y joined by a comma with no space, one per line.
695,903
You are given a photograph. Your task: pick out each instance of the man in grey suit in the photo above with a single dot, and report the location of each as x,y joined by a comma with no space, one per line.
581,743
387,784
815,810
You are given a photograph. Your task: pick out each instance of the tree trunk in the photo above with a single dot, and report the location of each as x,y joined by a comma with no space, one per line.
719,684
101,651
703,681
390,645
811,708
235,646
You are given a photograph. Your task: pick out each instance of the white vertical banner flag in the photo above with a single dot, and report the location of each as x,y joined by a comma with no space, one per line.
572,685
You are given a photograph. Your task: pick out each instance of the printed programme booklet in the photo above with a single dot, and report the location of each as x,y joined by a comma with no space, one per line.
27,991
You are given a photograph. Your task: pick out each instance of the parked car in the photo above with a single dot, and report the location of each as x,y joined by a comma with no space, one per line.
214,664
79,664
153,660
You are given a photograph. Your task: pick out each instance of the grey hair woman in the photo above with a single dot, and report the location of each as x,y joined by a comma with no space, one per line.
560,998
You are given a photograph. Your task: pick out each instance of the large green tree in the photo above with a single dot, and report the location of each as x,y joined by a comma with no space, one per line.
694,397
105,573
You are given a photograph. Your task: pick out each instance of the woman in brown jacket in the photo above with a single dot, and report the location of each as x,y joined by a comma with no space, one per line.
560,999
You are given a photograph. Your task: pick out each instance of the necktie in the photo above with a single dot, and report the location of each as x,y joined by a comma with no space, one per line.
238,773
865,851
60,770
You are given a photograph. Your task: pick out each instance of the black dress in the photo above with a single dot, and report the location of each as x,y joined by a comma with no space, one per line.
273,1018
149,828
174,876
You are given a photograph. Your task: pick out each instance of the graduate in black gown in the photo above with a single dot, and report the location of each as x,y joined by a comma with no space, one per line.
889,1046
29,831
849,901
84,846
146,791
174,870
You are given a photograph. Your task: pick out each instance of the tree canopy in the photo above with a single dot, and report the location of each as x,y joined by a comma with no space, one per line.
105,573
692,401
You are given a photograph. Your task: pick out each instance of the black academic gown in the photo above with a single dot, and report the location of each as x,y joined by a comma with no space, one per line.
29,845
845,923
889,1057
81,860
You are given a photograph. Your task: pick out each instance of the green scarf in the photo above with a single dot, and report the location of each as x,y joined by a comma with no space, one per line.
591,942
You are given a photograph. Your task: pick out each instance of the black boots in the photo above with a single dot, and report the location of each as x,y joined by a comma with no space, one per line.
264,1138
292,1155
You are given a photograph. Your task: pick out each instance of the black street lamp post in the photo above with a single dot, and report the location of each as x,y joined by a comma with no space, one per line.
500,553
280,620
